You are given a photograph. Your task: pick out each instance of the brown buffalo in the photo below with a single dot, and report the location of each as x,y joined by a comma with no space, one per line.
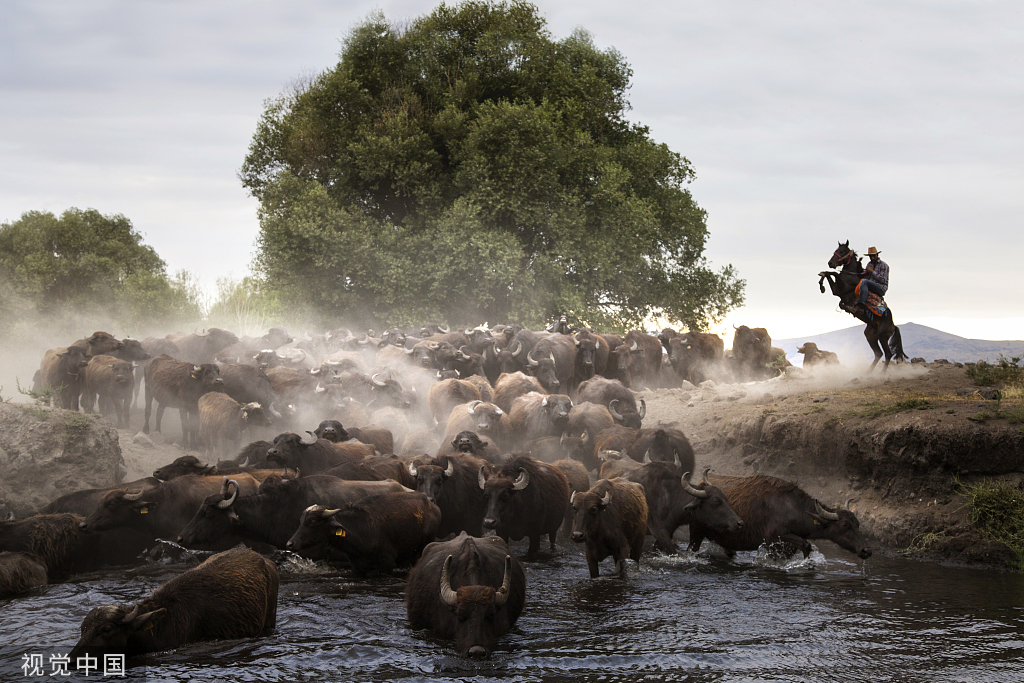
778,511
695,356
19,572
511,386
610,519
223,420
112,381
231,595
485,419
174,384
815,356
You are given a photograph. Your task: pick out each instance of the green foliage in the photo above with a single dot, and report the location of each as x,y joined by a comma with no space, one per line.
877,409
1006,371
469,167
84,261
996,508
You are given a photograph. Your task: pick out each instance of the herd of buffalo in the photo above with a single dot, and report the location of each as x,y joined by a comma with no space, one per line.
373,451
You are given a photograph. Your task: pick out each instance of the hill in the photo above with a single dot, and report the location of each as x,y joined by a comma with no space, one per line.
919,341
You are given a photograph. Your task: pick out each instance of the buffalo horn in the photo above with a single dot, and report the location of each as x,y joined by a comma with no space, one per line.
132,496
445,329
531,361
320,388
450,470
675,458
607,499
308,441
225,504
647,456
847,506
473,405
822,512
363,340
704,478
615,413
131,616
412,469
438,375
634,346
572,498
561,441
522,481
696,493
224,486
506,584
196,368
411,351
643,409
447,594
204,333
552,357
480,478
519,348
375,382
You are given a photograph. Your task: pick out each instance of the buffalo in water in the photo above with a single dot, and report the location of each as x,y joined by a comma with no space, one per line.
470,590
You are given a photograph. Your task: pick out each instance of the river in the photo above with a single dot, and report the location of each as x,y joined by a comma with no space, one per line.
689,618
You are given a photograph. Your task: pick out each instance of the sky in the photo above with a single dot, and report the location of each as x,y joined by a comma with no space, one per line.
890,123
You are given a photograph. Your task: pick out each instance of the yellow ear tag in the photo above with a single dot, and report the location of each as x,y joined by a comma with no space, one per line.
149,625
339,532
143,511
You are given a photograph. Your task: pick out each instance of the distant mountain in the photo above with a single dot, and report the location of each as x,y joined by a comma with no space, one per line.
919,341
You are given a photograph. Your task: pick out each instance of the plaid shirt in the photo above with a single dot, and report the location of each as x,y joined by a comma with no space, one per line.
880,273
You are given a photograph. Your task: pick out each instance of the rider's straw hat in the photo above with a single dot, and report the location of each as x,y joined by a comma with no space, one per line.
873,252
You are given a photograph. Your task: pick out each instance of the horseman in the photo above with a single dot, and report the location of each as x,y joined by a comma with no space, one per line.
875,277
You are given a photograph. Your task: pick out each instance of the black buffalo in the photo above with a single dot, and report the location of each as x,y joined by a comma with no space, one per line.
450,482
470,590
525,498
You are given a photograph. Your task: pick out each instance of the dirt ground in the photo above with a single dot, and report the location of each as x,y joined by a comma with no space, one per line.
891,443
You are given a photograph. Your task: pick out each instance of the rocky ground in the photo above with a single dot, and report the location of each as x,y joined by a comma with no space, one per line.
894,443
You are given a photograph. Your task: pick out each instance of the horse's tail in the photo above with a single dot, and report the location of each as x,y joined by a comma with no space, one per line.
896,346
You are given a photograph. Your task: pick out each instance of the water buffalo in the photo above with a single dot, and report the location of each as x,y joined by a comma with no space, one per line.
61,371
446,394
585,421
695,355
815,356
468,441
610,519
161,511
470,590
525,498
450,482
112,381
485,419
202,347
553,362
775,510
645,364
231,595
591,355
535,416
312,455
619,400
19,572
174,384
272,514
378,533
223,420
511,386
751,353
673,501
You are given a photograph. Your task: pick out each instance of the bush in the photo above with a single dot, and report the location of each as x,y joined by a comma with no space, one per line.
1006,371
996,508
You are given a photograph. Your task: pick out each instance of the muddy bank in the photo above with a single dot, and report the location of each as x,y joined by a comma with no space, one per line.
894,444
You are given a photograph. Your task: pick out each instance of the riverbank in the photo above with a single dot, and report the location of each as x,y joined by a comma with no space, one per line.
894,443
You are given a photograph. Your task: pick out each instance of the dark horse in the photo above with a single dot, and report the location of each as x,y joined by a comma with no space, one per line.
879,328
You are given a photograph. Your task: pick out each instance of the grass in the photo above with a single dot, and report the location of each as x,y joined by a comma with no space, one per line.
1005,371
815,409
996,509
877,409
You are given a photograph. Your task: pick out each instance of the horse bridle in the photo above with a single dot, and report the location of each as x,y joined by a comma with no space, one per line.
846,259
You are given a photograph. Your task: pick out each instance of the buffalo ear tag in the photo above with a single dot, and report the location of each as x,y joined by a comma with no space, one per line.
144,511
339,532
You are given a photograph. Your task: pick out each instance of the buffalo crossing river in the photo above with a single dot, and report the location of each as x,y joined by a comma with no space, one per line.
692,618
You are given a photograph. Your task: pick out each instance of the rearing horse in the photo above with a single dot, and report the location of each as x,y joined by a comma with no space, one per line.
879,328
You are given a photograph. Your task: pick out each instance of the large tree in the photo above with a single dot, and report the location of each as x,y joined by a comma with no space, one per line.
469,167
85,265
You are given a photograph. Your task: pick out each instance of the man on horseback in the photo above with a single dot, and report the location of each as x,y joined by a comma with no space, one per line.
876,277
